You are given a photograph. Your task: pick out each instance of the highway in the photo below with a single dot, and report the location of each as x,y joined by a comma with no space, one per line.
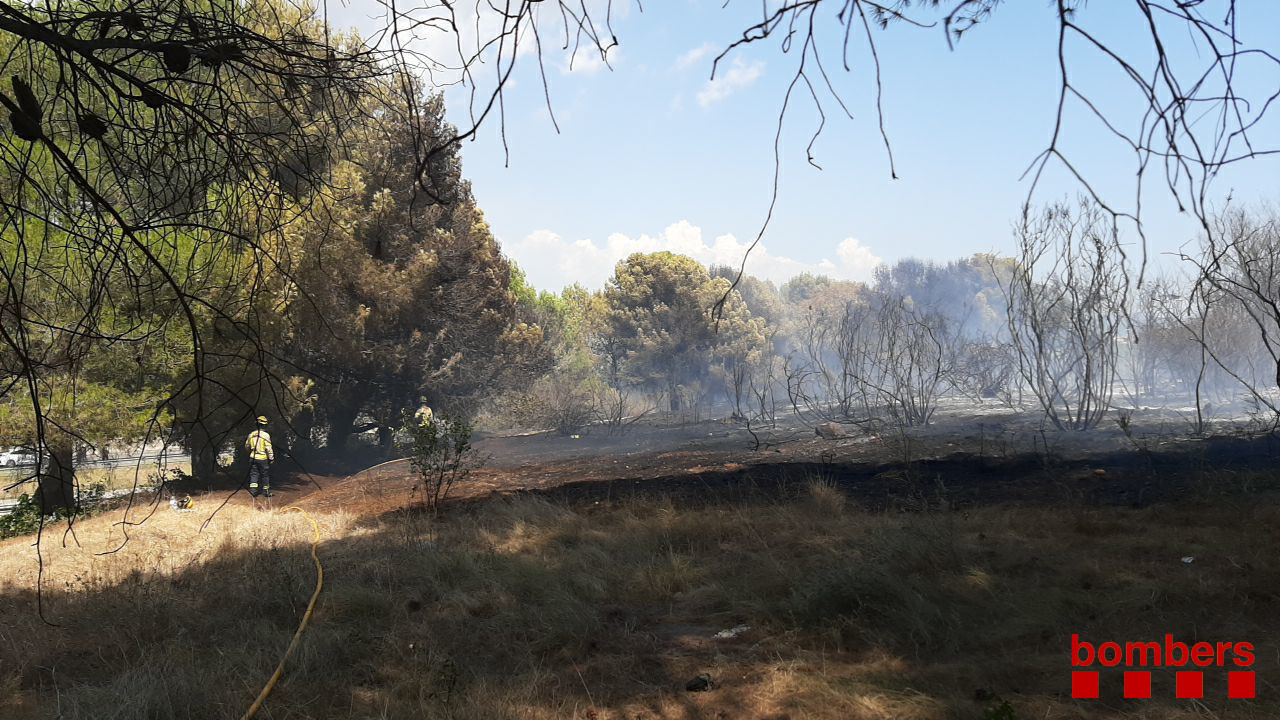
10,475
7,505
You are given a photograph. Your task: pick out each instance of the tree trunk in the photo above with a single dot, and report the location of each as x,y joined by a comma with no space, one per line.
386,434
57,490
204,454
302,425
342,420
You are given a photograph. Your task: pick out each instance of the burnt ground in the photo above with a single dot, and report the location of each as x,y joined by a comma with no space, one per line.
969,456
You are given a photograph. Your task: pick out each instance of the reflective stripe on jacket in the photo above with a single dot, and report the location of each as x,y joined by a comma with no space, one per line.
259,446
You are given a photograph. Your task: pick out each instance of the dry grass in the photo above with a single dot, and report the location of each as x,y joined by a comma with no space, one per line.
523,609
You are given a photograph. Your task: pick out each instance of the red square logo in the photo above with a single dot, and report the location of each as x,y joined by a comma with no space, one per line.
1240,685
1137,685
1190,685
1084,685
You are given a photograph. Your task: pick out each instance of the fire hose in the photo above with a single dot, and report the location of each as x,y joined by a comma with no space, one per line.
302,626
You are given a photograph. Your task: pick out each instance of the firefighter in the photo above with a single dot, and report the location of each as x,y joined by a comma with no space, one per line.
260,457
424,416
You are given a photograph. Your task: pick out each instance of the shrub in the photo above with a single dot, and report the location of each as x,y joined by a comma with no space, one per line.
24,519
442,456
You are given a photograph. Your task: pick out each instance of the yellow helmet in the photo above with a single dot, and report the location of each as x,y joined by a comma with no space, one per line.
262,419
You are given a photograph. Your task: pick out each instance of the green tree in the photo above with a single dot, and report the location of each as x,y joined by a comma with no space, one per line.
660,316
141,203
404,292
761,297
575,391
82,391
804,286
742,345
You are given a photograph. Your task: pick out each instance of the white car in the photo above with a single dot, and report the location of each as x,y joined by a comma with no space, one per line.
16,457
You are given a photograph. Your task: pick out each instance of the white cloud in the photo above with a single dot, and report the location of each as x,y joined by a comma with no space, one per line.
739,76
693,57
551,262
856,257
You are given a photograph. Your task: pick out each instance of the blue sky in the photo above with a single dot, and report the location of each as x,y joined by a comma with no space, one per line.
651,155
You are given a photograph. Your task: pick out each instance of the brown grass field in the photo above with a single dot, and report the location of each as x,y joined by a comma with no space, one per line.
524,607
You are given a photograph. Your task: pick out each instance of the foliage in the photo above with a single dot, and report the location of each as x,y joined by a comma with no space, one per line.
761,297
442,456
987,368
84,380
742,344
564,401
662,329
160,149
965,292
804,287
569,395
25,518
407,294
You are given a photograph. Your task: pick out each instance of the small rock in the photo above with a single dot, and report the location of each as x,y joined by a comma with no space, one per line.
830,431
702,683
732,632
1099,473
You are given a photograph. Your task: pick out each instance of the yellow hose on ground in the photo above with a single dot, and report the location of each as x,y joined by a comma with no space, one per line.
306,618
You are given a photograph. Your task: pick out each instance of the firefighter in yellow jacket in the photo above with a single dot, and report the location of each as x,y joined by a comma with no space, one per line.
424,415
260,457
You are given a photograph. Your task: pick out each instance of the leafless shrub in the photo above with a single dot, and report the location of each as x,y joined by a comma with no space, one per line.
875,357
915,359
764,391
988,369
1239,274
1150,353
831,377
1065,310
562,402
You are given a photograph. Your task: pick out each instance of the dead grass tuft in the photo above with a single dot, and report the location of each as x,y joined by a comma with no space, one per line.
826,497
